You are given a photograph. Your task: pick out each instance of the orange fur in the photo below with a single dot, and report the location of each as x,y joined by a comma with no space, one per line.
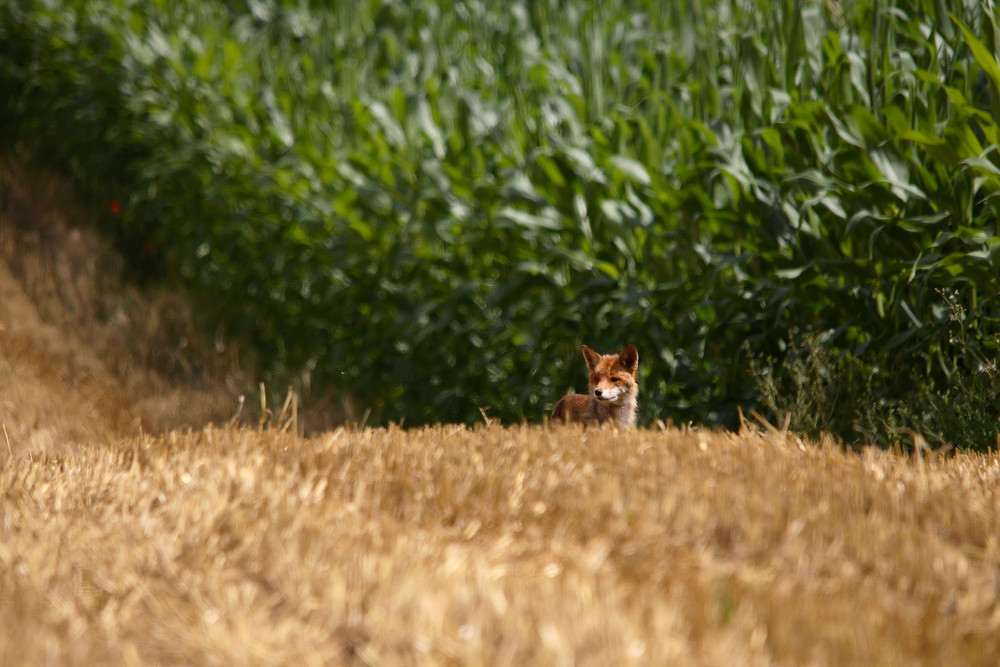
613,391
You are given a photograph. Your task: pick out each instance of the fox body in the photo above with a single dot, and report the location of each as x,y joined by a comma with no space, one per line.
613,392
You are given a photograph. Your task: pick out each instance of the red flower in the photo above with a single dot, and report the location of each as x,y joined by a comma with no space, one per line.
115,206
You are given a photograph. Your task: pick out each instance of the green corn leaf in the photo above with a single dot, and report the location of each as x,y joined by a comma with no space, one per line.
986,60
631,169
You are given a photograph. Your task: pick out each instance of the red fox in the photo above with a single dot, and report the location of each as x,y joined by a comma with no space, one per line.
613,391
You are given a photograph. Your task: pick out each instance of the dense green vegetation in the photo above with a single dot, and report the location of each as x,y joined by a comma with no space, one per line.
788,207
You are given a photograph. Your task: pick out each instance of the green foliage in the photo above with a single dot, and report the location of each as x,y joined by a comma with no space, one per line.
430,206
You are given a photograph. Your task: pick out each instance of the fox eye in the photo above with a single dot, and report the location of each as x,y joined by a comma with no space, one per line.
616,379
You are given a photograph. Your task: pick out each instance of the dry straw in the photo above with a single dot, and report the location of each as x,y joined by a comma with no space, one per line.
499,546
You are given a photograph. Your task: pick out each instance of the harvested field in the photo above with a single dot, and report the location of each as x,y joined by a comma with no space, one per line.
500,546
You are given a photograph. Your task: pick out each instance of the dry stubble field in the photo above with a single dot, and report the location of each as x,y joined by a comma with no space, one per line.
500,546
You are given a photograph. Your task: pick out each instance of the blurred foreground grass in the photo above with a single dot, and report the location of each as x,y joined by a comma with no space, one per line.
497,546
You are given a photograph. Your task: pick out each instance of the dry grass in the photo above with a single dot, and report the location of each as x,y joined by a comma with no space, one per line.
84,355
497,546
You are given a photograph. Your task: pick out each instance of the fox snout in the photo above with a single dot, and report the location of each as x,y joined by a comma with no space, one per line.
608,394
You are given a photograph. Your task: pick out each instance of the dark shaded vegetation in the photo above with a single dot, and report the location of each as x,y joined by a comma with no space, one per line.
786,207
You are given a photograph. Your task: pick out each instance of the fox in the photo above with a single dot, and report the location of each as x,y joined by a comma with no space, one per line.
613,396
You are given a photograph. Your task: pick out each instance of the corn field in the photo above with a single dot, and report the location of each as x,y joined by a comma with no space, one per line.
426,208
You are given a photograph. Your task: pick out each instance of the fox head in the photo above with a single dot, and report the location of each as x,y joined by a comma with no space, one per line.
612,376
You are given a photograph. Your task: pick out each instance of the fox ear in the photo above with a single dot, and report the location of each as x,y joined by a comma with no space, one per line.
591,357
629,359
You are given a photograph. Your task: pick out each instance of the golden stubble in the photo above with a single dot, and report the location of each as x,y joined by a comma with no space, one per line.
515,546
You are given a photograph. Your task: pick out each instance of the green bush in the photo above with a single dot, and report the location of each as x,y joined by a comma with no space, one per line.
429,206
